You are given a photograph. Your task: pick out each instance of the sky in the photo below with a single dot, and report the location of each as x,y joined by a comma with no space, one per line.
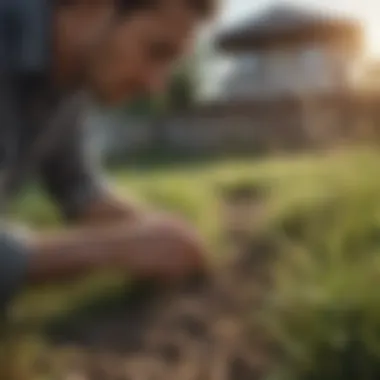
368,11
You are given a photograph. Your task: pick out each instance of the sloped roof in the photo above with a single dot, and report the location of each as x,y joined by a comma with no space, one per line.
286,18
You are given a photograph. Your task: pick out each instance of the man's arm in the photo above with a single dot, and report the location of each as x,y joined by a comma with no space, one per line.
109,232
110,235
156,248
72,179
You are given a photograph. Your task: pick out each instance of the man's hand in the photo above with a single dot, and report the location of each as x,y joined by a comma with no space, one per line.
157,247
162,247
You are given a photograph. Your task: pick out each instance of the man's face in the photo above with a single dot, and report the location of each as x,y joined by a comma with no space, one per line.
136,56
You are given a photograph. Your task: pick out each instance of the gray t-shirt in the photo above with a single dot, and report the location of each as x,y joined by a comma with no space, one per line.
69,170
55,152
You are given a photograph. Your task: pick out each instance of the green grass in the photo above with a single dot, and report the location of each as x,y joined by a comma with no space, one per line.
324,209
298,186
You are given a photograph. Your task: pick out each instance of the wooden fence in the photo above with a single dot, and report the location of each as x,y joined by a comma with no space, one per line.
243,127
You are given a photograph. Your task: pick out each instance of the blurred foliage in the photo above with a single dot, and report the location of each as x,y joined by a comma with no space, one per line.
324,210
181,93
182,90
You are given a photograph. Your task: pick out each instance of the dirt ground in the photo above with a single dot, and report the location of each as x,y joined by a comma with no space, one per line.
206,330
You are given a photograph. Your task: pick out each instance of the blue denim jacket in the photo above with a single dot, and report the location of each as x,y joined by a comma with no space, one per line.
24,35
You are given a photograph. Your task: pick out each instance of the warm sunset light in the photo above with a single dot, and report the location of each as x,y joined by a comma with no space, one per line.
366,11
373,40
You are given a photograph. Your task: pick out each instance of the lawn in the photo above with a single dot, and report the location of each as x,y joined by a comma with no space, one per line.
325,211
296,184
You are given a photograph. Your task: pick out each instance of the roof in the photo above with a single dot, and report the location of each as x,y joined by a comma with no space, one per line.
285,19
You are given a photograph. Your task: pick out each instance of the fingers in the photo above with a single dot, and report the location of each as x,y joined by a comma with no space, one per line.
168,248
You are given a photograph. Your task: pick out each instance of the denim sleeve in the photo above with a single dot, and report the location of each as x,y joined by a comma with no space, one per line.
24,35
13,266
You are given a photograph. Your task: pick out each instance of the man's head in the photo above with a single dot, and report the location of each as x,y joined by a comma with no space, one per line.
127,48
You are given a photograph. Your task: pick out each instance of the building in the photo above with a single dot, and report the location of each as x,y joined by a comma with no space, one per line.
293,87
290,50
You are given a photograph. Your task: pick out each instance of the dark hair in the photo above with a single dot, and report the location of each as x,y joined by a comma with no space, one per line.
203,8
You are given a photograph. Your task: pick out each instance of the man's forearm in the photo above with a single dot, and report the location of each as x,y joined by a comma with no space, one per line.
157,247
151,247
67,255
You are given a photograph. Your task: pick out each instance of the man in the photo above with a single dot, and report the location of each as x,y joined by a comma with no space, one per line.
112,51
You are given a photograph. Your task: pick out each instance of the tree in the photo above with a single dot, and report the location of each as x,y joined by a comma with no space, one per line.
182,89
